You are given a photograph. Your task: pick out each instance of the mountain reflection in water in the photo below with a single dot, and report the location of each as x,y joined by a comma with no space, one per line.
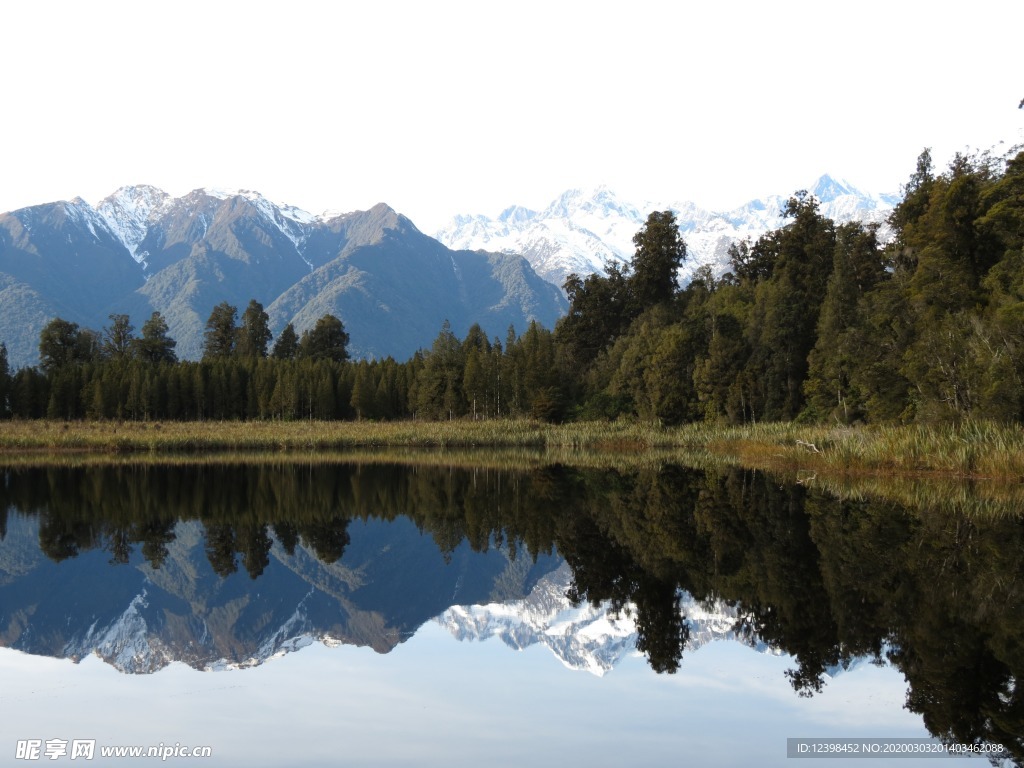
228,565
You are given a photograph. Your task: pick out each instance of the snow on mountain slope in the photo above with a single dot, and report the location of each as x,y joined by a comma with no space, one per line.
291,221
129,212
583,229
578,232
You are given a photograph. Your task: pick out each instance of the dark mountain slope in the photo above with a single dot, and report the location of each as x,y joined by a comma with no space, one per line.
143,251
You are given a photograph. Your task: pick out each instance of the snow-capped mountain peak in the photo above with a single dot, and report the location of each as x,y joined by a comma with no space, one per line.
129,212
132,210
597,202
828,188
582,229
515,214
577,232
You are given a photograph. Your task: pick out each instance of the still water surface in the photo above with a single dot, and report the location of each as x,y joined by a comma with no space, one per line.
383,614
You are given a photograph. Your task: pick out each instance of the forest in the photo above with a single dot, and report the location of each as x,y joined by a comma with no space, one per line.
919,320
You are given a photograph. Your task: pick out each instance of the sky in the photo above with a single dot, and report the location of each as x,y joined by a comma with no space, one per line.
445,107
434,701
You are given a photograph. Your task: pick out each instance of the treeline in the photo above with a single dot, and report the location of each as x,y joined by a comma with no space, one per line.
815,321
116,374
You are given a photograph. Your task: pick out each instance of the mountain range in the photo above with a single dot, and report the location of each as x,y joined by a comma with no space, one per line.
141,250
581,230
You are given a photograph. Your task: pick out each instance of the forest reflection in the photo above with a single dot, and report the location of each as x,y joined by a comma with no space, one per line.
935,591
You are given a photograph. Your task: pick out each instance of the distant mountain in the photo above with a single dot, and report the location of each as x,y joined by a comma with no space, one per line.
141,250
583,229
58,259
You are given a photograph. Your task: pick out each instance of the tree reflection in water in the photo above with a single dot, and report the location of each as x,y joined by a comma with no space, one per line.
936,592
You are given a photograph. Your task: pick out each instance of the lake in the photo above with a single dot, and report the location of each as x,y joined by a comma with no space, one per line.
419,612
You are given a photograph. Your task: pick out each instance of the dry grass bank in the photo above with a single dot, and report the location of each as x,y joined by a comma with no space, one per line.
974,450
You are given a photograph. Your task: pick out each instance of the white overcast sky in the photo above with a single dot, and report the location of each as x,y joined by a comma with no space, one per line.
442,107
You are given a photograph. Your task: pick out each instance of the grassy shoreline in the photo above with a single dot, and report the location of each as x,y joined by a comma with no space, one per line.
970,451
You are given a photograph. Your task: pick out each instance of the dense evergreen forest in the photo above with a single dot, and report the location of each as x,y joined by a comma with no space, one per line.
920,321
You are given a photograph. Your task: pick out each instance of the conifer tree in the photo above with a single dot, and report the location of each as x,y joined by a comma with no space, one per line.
600,309
440,383
542,377
221,335
857,266
327,340
287,345
785,312
254,333
363,392
155,346
118,339
474,382
660,252
5,383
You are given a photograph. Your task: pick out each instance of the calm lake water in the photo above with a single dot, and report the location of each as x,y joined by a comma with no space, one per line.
331,613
